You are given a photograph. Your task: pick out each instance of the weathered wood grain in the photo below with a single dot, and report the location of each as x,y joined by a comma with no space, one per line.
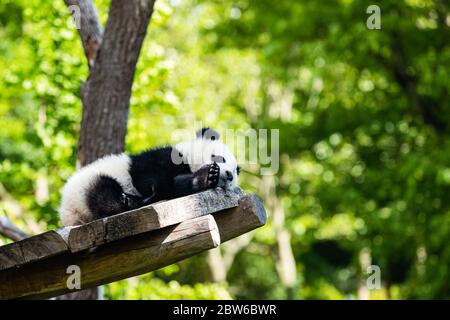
133,255
87,235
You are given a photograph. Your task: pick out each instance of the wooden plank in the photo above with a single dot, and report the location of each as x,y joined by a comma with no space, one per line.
133,255
151,217
116,227
34,248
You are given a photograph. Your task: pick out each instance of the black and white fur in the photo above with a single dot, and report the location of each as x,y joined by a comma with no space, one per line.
118,183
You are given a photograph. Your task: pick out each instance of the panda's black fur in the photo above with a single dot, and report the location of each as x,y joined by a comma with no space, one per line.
119,183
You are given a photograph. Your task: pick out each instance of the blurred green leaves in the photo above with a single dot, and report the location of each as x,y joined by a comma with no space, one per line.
362,166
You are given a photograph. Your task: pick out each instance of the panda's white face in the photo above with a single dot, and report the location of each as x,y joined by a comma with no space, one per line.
204,150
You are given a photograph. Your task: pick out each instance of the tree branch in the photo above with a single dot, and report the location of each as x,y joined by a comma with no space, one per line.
397,64
90,29
17,211
220,264
9,230
427,107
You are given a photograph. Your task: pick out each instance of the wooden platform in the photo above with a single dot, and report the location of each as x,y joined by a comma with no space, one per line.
126,245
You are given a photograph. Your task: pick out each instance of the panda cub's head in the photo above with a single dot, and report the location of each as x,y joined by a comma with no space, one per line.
206,148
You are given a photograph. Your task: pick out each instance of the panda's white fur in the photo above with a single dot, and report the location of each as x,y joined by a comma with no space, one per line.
73,209
196,153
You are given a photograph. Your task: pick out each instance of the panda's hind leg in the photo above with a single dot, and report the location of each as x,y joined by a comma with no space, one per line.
106,197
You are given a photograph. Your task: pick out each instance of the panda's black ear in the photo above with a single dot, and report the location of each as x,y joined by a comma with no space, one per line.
208,133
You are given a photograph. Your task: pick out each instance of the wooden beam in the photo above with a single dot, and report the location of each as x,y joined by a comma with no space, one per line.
34,248
248,216
83,237
152,217
133,255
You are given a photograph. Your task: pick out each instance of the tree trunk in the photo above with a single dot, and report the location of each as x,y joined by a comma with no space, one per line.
112,59
106,94
365,260
285,264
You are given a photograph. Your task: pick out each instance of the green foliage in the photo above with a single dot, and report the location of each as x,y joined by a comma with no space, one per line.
364,149
149,287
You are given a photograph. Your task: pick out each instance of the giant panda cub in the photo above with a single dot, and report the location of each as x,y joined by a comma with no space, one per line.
121,182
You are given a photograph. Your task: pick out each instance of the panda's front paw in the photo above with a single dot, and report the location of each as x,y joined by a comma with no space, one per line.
213,175
207,177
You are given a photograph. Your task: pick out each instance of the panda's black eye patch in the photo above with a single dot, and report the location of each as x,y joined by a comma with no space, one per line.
238,170
217,159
